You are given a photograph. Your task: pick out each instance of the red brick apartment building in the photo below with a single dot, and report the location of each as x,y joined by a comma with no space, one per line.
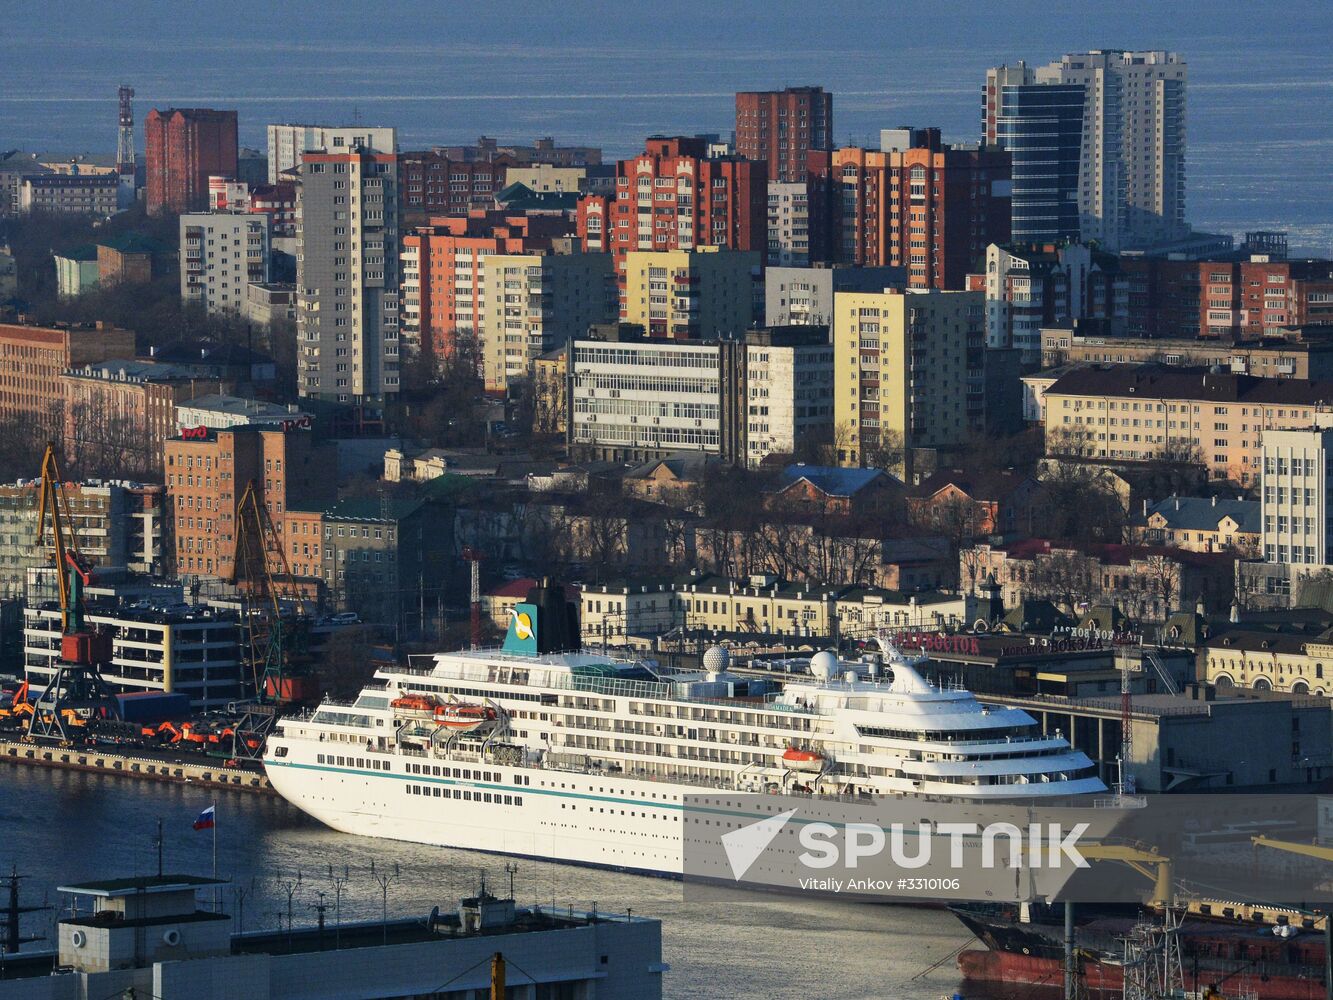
206,481
1259,296
432,183
782,127
182,147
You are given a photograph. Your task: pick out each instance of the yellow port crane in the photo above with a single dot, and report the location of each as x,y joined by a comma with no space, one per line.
1321,854
76,692
274,609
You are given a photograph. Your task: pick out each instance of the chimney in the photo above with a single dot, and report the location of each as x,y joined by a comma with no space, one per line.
1214,501
1177,503
1146,502
1235,613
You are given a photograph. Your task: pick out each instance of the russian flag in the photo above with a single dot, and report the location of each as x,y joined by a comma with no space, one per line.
205,820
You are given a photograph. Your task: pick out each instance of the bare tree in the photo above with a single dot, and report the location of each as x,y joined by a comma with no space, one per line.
1064,577
1161,578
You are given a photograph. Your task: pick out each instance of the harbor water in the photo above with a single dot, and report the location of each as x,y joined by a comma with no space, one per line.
59,827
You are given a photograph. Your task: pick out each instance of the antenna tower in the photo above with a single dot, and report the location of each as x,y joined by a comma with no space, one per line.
125,145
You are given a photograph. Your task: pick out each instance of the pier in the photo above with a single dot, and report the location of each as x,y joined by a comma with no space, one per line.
141,765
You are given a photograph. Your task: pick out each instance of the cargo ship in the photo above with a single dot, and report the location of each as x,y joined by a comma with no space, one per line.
1267,953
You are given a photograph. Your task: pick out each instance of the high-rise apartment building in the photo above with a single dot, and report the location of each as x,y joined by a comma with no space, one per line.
347,276
1042,129
674,197
443,282
930,209
690,294
534,303
222,254
781,127
1297,465
1131,187
1031,287
182,148
430,183
901,371
803,296
788,224
287,143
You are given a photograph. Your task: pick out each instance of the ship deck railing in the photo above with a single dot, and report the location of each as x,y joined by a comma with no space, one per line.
616,687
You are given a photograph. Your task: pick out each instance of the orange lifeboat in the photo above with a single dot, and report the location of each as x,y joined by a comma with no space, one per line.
465,718
414,703
796,759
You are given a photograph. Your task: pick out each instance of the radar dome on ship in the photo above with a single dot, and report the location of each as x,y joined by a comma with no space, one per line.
716,660
824,664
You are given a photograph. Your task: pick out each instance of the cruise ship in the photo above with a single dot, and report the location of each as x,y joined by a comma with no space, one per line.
545,750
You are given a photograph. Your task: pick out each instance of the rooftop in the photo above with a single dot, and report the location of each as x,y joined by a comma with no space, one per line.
1152,381
139,884
1205,513
832,480
371,509
239,406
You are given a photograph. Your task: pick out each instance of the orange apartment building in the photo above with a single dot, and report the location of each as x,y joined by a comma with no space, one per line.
207,472
931,209
443,275
32,359
1145,413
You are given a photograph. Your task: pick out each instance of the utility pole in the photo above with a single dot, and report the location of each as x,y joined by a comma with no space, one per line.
497,976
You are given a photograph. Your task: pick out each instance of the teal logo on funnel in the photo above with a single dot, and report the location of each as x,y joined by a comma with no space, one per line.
522,635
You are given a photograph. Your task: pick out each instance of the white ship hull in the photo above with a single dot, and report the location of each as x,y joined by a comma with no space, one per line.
608,822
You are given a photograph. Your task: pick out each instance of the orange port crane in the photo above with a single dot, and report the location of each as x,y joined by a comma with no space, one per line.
76,692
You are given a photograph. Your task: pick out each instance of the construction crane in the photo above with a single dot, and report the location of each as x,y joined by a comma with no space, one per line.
76,692
274,610
1320,854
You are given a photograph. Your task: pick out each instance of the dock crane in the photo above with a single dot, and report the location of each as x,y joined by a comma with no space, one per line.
1320,854
76,692
274,610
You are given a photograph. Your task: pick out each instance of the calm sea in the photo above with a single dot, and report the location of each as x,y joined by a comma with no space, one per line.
1260,90
60,827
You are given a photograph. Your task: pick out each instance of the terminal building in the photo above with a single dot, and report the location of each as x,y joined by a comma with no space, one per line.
148,936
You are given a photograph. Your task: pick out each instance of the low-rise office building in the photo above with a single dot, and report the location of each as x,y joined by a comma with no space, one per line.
634,399
197,652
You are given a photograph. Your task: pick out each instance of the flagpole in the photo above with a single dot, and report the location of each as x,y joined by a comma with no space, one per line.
217,890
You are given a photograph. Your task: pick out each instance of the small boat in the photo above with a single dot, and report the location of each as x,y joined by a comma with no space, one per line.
796,759
414,703
465,718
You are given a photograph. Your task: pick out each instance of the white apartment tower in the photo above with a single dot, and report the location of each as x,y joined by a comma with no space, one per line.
286,143
1131,187
222,253
1296,496
347,276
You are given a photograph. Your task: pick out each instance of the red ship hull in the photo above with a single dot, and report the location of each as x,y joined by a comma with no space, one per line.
1108,980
